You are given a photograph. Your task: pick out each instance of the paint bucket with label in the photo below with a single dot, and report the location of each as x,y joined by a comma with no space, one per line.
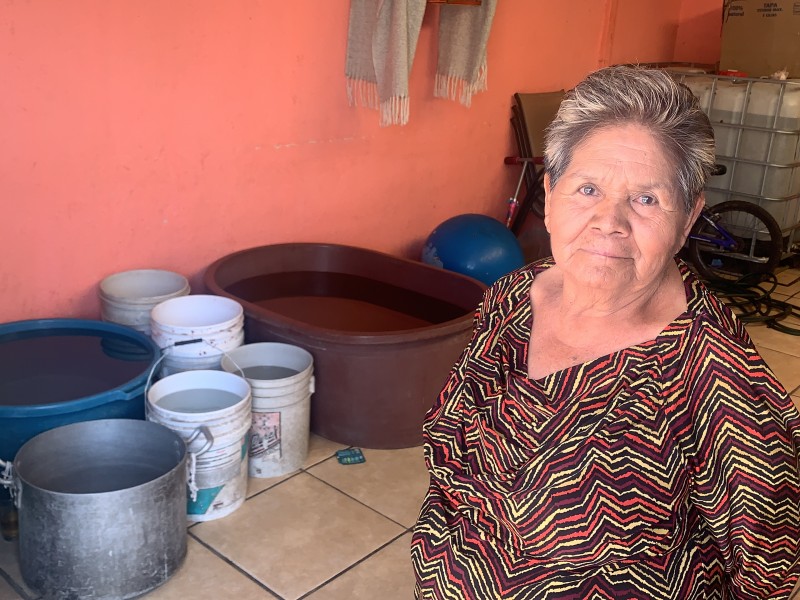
195,331
128,297
282,381
210,410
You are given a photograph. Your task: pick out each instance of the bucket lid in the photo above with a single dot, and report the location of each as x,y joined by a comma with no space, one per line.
50,366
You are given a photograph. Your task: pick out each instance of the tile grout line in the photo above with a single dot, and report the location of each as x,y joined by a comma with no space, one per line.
406,530
359,501
355,564
274,485
289,476
225,559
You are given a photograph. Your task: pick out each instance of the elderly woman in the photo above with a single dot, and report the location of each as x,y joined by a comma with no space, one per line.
610,431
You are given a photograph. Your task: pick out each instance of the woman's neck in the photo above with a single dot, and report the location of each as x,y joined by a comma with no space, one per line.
572,325
574,303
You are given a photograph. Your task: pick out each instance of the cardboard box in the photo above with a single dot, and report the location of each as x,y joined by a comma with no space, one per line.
760,38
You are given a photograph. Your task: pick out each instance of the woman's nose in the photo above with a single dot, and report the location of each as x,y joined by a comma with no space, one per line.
610,215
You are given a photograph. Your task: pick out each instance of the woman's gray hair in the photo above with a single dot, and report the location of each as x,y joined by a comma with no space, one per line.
622,95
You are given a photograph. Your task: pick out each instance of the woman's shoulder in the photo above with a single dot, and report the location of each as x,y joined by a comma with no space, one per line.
518,280
511,291
523,275
714,345
706,309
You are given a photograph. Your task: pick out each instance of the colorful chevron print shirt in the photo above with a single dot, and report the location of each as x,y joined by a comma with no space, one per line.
667,470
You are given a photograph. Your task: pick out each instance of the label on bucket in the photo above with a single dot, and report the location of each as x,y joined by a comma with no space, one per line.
265,435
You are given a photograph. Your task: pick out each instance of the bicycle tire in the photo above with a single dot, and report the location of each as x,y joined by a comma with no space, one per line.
755,254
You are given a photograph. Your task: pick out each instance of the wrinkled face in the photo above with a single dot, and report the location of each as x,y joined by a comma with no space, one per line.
615,217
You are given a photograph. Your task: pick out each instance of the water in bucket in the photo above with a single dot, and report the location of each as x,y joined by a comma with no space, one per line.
281,379
198,400
211,411
268,372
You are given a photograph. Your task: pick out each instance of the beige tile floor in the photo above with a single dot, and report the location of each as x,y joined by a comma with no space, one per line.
336,532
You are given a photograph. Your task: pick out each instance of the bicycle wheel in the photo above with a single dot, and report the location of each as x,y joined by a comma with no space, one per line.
758,242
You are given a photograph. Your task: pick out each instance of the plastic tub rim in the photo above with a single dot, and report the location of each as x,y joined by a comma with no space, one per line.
126,391
358,338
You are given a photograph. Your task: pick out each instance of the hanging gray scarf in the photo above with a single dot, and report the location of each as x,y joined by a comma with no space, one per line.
381,43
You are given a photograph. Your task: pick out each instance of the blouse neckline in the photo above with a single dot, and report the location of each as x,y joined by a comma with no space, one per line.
526,321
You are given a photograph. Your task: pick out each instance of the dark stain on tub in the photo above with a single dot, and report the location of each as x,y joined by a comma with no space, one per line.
344,302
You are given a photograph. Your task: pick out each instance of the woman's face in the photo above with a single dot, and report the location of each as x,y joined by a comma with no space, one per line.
615,217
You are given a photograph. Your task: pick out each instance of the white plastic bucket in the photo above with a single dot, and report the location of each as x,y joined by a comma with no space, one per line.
195,331
282,381
128,297
211,411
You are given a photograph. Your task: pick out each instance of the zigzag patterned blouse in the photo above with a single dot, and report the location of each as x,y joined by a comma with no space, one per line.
667,470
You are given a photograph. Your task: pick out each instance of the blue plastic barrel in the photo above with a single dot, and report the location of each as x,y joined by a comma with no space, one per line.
55,372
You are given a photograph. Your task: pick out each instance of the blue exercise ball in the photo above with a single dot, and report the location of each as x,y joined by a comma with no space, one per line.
474,245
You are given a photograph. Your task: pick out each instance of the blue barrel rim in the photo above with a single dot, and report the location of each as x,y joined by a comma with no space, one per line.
126,391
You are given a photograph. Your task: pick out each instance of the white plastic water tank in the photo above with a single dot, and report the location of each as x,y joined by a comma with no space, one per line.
700,85
774,106
728,101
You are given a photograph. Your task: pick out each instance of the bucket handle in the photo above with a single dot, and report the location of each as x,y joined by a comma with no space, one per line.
152,372
191,466
149,383
164,350
206,434
8,481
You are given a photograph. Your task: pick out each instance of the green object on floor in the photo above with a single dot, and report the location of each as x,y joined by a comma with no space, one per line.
350,456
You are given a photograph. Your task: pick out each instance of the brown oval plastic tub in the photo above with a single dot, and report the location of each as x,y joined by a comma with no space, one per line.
384,331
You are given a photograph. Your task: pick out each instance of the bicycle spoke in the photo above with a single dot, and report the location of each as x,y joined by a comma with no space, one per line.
735,239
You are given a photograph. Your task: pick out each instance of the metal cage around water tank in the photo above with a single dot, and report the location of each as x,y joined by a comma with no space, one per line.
757,131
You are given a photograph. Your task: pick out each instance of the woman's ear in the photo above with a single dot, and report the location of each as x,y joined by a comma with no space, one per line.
692,218
546,182
699,204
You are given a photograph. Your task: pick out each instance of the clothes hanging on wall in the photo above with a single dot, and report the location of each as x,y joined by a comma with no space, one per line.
461,65
381,43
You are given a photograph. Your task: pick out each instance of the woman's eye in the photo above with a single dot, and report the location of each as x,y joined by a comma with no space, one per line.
587,190
646,200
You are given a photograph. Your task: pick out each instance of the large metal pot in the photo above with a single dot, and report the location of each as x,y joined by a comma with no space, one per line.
102,508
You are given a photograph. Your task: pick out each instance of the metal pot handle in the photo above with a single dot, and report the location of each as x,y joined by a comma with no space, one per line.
8,481
191,465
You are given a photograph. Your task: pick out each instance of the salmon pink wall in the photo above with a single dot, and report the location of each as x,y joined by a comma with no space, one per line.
698,39
642,31
156,134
